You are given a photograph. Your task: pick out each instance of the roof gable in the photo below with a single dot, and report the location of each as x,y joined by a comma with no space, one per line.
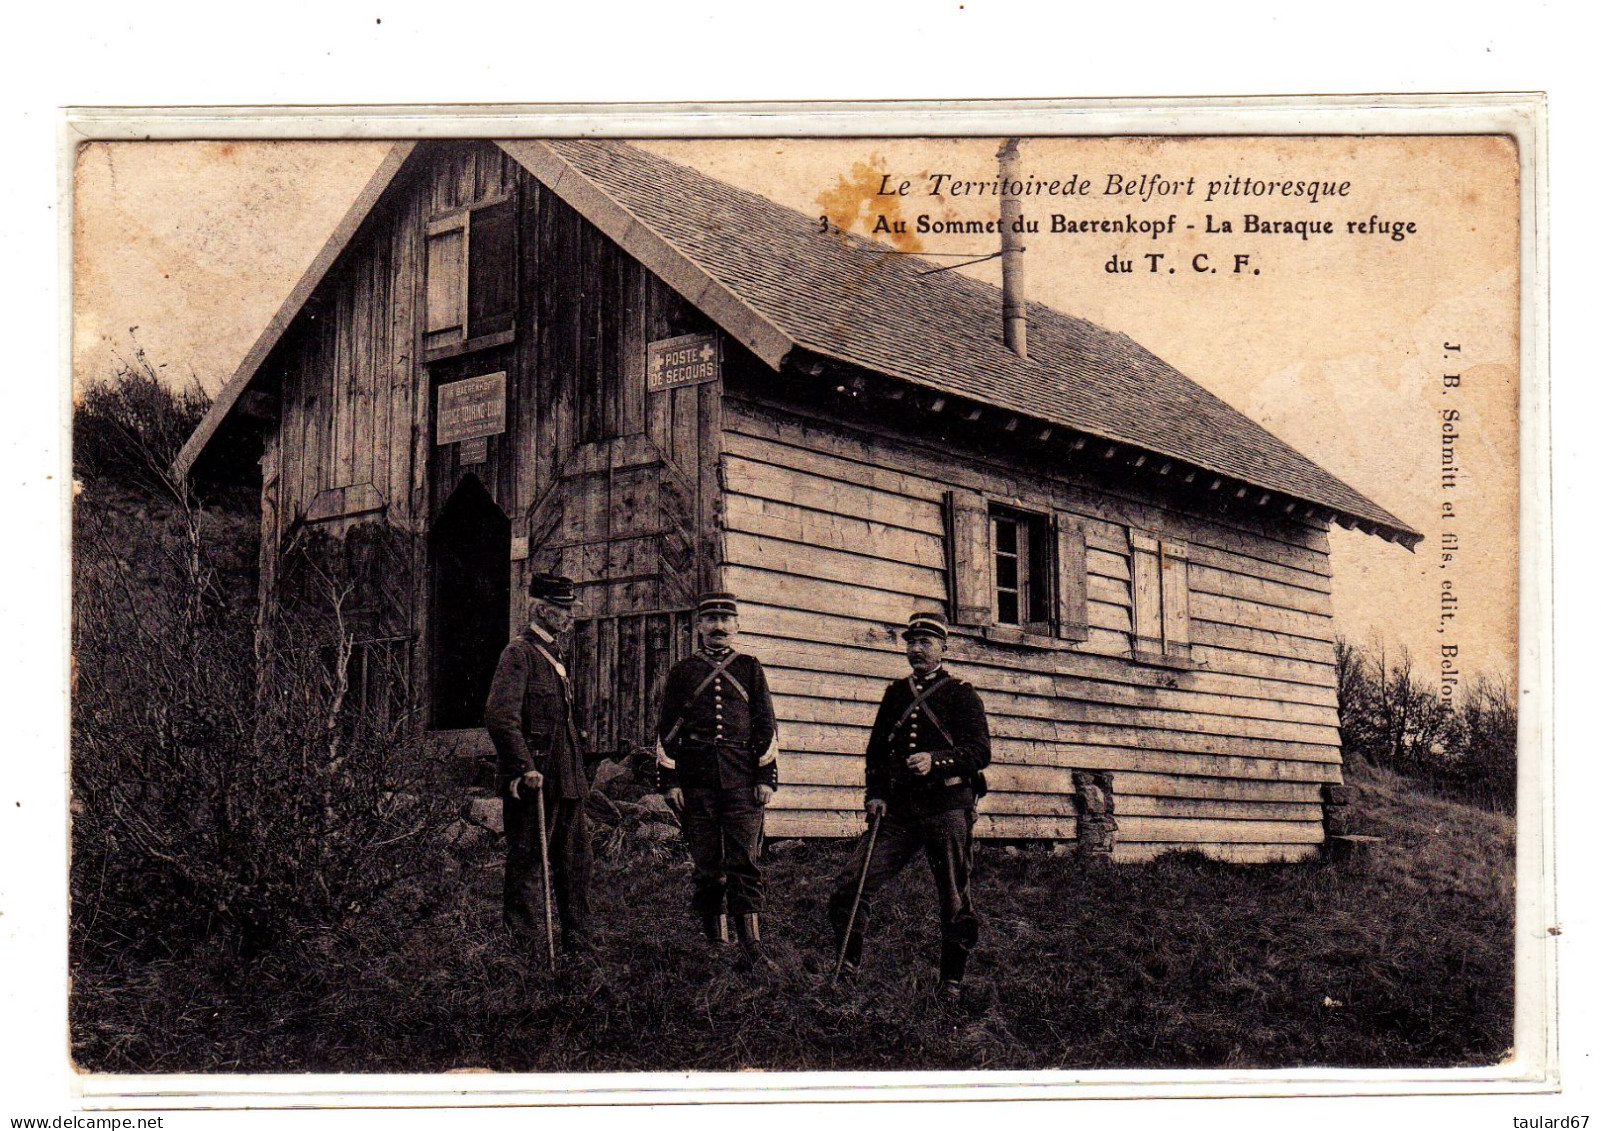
761,271
857,301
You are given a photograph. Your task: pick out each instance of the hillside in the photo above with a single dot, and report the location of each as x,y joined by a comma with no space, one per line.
1403,960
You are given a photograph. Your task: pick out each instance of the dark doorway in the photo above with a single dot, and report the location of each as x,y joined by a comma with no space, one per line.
470,552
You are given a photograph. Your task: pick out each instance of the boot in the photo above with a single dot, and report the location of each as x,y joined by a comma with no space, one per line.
750,941
716,930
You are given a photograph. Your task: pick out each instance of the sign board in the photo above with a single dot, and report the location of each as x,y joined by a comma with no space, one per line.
690,359
473,451
471,408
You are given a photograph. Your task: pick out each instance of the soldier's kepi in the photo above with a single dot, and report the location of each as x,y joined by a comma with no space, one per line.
925,760
717,765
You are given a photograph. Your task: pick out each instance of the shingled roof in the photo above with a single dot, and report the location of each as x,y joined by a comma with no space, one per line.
765,274
858,301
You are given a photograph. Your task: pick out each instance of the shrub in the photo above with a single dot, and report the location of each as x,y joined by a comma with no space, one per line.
130,427
1392,719
211,807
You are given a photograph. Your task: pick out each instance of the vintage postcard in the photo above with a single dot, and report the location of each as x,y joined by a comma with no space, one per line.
988,602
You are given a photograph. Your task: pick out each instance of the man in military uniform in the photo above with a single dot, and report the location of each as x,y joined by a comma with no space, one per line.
925,757
529,717
717,765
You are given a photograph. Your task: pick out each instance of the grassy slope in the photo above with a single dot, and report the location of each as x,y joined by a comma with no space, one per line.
1402,961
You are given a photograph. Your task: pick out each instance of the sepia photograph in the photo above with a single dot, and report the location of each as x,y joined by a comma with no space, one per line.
1029,601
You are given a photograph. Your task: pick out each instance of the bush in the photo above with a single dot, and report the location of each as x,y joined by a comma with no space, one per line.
213,813
128,429
1391,719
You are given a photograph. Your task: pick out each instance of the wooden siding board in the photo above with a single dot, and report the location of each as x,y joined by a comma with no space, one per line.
1007,718
1092,747
780,519
789,627
823,440
1045,695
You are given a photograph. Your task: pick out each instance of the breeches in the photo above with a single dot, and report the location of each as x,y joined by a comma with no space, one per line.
946,839
569,863
723,828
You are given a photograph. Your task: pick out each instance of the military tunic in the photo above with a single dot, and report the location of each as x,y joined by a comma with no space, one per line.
717,748
933,813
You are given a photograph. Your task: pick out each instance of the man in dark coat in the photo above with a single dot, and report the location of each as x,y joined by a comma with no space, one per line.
717,765
529,717
925,757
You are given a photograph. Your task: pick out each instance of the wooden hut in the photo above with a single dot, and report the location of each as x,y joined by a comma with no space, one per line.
577,355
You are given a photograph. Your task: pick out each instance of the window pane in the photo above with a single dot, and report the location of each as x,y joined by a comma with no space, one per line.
1005,536
1006,608
1005,572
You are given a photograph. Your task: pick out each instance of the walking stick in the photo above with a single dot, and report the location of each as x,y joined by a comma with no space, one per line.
544,864
861,882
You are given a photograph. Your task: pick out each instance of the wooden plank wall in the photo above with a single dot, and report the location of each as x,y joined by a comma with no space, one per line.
620,671
834,534
614,485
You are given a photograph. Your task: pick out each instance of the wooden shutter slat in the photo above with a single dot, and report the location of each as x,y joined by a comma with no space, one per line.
446,291
1072,580
1147,594
1176,597
971,573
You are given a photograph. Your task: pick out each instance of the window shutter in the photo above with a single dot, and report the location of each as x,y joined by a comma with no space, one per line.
1161,597
1175,559
1072,580
968,557
491,269
446,300
1147,593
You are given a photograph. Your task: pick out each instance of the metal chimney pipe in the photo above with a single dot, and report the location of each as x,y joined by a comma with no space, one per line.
1014,301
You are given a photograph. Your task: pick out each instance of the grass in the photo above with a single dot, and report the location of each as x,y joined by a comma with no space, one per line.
1402,960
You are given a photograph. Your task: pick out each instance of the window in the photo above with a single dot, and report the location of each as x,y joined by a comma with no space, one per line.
1022,568
1161,594
471,297
1022,572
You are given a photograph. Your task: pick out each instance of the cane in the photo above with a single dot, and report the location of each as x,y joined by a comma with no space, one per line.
544,864
861,882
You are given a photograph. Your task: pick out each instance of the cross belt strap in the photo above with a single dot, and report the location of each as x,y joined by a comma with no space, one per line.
717,670
920,699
